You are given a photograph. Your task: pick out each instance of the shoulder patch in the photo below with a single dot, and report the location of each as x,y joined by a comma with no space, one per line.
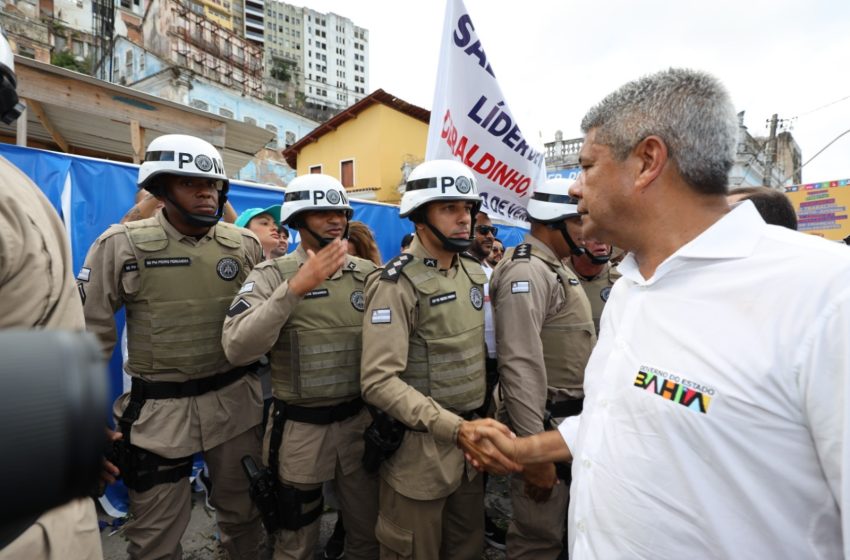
393,268
522,251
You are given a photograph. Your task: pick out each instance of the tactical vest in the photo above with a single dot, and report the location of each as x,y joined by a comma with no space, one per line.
317,354
568,336
446,352
174,322
598,289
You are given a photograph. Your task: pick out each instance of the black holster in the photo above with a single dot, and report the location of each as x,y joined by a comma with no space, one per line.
491,378
382,439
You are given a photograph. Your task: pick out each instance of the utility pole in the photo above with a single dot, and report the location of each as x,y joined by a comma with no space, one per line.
770,152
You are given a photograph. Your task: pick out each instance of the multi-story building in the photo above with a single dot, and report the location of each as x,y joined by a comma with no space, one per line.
321,58
254,21
175,31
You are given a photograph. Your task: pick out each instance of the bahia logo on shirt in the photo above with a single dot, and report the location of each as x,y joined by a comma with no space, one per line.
675,388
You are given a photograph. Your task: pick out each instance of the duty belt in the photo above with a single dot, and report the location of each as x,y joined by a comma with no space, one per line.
144,390
321,415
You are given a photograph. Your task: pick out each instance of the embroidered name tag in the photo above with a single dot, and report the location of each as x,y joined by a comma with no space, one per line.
443,298
168,261
317,293
381,316
84,275
131,267
520,287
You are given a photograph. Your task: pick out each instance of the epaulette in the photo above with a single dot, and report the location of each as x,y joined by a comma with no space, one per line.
522,251
393,268
469,255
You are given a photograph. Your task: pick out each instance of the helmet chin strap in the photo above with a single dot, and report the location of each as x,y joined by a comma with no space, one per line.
602,259
199,220
324,241
574,249
450,244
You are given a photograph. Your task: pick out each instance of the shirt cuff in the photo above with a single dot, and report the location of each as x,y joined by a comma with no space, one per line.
446,427
569,431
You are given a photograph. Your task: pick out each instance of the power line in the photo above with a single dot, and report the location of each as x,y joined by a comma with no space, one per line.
824,106
833,141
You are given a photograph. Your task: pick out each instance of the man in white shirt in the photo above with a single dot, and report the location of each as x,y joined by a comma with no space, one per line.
714,421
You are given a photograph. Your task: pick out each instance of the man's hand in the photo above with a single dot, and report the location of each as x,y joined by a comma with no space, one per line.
540,479
319,266
481,451
110,472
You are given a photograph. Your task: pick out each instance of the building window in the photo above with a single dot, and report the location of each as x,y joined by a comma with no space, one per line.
250,120
128,63
346,173
199,104
315,169
226,113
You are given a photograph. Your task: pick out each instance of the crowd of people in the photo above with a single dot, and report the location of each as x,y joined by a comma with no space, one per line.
654,363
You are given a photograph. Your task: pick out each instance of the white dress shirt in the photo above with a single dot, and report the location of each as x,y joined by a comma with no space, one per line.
489,325
756,319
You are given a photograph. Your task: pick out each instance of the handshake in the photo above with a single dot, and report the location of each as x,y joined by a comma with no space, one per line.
491,446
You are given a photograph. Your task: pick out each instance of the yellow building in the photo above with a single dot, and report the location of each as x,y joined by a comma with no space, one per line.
367,146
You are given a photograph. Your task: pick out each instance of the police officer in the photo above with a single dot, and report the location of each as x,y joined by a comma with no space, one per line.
176,274
306,309
37,292
423,364
590,261
544,335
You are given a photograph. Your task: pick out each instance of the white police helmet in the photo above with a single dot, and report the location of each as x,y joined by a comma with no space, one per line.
552,202
180,154
10,108
439,179
313,192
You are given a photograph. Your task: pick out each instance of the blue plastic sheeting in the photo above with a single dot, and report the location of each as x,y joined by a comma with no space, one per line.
101,192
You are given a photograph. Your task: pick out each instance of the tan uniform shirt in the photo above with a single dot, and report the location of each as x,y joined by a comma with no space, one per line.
37,292
428,465
597,288
525,293
170,427
311,450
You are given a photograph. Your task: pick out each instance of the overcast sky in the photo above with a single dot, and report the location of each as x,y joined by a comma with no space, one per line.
555,58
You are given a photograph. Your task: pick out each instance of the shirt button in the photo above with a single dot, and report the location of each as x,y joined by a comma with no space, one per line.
586,463
581,526
603,403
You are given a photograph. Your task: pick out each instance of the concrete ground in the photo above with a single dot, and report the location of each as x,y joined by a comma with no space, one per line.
201,543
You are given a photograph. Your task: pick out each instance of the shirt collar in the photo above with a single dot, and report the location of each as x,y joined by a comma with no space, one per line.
734,236
171,231
417,249
537,244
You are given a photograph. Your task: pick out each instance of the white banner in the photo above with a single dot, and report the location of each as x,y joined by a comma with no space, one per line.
471,122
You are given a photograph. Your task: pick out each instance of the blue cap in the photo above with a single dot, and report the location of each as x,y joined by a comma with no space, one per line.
251,213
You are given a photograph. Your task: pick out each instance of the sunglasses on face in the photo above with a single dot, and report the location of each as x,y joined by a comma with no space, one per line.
484,230
497,250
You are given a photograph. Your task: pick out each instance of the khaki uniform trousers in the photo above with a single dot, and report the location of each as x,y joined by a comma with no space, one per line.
356,493
536,530
68,531
450,528
160,515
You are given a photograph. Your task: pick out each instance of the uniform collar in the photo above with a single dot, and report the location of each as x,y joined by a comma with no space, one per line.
734,236
418,250
547,253
171,231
